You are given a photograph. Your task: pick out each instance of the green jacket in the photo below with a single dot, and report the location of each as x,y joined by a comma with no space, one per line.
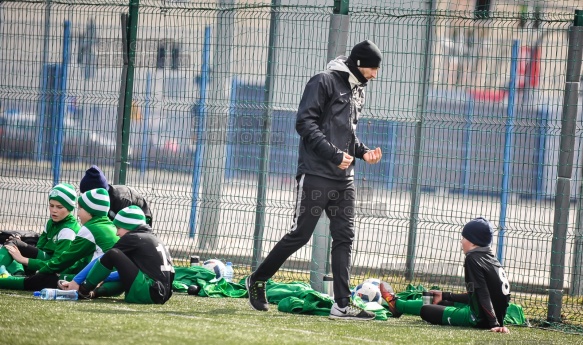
54,241
94,238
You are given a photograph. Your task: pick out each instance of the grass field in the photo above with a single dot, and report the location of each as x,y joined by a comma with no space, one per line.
197,320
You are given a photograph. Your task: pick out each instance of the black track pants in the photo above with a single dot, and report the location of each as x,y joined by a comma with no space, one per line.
315,194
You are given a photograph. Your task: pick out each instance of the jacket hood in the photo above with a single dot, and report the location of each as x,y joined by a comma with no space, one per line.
339,64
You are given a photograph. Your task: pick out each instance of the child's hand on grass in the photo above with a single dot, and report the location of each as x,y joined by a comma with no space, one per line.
500,329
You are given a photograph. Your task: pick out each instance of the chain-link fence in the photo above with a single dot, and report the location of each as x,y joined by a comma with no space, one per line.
468,109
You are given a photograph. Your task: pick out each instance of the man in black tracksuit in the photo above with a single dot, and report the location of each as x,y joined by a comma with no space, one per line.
326,122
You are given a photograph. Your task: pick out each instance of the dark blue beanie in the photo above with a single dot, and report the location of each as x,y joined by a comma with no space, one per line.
94,178
479,232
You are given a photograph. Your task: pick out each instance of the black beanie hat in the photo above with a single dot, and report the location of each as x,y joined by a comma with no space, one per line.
366,54
479,232
94,178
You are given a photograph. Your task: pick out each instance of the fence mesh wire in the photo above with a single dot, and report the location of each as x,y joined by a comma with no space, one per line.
196,134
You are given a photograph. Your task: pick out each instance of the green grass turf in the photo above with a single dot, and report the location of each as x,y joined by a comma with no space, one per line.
197,320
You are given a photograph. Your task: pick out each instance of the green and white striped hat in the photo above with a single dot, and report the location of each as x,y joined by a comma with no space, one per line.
95,201
130,218
65,194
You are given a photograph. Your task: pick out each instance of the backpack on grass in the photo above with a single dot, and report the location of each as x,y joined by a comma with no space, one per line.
28,237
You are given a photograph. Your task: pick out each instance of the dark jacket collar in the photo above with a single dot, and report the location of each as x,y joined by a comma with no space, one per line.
486,250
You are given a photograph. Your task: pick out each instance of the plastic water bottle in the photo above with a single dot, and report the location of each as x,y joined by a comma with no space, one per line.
328,285
56,294
427,297
194,260
228,275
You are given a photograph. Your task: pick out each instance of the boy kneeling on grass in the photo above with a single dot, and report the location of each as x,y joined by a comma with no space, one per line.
486,301
142,262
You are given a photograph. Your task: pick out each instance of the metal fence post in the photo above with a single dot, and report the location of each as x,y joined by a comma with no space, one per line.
44,88
507,150
415,179
337,45
145,128
129,37
565,169
576,39
60,116
265,136
217,119
200,139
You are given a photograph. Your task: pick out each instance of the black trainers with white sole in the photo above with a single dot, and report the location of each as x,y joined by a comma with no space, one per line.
256,292
350,312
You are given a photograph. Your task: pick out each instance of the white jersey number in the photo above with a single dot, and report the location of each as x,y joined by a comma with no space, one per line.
165,267
504,280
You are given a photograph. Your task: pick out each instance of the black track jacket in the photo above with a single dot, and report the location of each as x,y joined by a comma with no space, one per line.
326,122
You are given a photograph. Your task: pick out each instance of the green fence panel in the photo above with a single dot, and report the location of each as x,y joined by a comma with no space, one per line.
438,109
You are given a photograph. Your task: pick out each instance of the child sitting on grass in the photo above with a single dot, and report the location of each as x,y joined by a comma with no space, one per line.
141,260
59,232
120,196
96,236
486,301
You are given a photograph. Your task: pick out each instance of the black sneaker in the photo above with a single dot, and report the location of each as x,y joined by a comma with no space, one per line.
256,291
350,312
